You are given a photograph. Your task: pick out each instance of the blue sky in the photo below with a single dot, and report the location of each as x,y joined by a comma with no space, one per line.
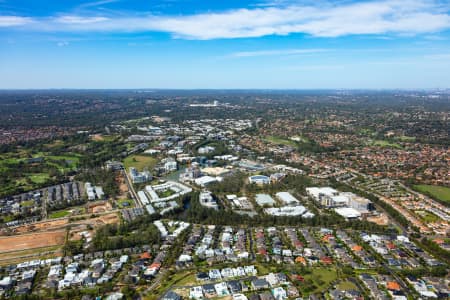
272,44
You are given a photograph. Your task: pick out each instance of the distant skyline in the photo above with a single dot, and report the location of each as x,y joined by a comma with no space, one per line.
194,44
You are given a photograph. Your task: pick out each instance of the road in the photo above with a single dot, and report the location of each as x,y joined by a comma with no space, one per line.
131,188
404,229
44,205
160,276
249,235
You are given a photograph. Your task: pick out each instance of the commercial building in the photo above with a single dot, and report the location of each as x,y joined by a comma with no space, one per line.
93,192
206,199
286,198
361,204
264,200
348,212
276,177
170,166
286,211
176,190
206,150
251,165
322,195
331,198
205,180
215,171
139,177
259,179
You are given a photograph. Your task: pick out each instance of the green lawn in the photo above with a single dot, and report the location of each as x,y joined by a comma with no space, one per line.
405,138
71,160
322,278
109,138
279,141
121,202
179,278
347,286
140,162
26,180
186,279
39,177
439,192
427,216
9,218
262,269
300,139
55,143
166,193
27,203
383,143
59,214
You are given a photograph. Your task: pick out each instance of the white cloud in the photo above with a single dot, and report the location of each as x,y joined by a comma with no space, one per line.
10,21
276,52
315,67
78,20
62,44
379,17
96,3
440,56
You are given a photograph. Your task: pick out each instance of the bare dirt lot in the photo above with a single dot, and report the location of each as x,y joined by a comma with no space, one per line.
99,207
30,241
380,220
123,187
107,219
97,137
41,226
74,234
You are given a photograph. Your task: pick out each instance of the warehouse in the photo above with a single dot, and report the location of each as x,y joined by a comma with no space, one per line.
264,200
348,213
259,179
286,198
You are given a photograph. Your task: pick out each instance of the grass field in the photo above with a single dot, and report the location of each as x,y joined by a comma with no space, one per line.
166,193
185,279
279,141
322,278
71,160
179,279
139,162
59,214
299,138
405,138
383,143
120,203
39,177
439,192
347,286
427,216
27,203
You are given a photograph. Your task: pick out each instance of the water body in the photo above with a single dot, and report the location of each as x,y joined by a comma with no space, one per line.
174,176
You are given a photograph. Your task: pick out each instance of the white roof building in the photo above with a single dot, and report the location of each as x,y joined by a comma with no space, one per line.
205,180
239,297
162,229
286,198
348,212
316,191
279,293
196,292
264,200
259,179
221,289
286,210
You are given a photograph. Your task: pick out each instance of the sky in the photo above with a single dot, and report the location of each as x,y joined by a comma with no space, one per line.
228,44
